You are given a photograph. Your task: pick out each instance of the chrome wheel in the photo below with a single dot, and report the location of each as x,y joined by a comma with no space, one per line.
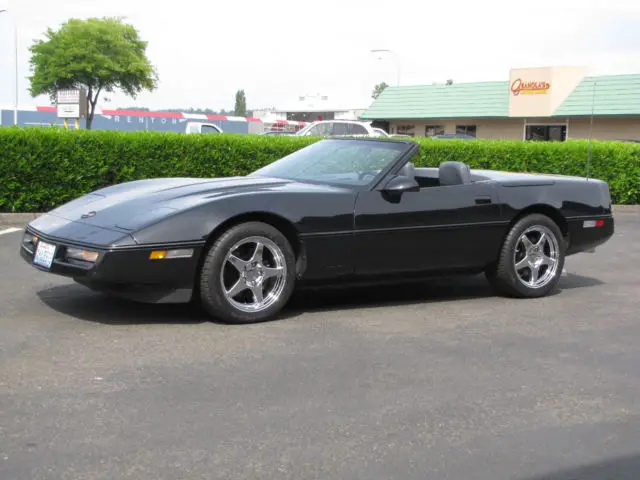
536,257
253,274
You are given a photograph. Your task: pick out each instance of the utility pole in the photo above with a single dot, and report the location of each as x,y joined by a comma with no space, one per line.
15,45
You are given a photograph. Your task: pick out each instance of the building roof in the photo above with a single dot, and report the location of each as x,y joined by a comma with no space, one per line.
611,95
614,95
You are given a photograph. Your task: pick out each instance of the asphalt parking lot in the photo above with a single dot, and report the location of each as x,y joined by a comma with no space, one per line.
440,380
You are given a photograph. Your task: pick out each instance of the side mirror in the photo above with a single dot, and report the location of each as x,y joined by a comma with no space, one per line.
401,184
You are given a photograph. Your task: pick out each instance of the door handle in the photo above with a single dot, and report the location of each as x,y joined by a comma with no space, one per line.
483,200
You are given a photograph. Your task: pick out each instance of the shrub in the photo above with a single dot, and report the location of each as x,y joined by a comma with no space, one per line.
43,168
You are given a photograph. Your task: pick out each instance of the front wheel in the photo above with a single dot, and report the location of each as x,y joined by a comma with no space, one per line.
531,259
248,274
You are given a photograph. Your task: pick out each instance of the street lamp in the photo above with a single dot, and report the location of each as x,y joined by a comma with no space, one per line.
395,58
15,42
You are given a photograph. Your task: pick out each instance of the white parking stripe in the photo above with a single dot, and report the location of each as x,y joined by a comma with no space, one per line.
9,230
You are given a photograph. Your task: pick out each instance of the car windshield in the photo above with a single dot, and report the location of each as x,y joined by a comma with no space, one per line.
305,129
345,162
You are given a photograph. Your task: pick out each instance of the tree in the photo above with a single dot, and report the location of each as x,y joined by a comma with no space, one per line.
377,90
99,54
241,104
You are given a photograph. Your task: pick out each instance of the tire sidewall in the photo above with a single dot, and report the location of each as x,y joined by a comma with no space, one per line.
517,230
211,288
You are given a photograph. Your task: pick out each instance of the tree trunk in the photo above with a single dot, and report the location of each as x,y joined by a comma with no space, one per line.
93,100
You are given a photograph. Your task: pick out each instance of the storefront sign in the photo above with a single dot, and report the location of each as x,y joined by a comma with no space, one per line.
529,88
531,94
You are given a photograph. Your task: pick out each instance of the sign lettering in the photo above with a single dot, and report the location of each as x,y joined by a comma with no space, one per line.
529,88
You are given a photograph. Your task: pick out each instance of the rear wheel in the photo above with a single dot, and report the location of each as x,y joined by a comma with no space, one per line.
531,259
248,274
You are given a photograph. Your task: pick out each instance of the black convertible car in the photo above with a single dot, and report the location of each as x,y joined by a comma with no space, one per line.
339,210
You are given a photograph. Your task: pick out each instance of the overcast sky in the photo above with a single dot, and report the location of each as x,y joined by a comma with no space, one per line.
276,50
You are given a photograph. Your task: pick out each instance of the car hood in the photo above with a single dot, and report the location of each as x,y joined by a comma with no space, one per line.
133,205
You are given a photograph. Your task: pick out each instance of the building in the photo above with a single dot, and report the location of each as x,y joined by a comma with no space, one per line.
305,109
139,120
554,103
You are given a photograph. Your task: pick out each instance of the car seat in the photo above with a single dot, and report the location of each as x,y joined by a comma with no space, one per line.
454,173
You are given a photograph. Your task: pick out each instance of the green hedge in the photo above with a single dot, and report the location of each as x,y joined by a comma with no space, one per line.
43,168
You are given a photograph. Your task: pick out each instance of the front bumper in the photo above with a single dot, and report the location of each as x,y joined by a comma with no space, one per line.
126,272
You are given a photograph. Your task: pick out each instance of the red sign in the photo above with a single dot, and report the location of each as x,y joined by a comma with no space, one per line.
529,88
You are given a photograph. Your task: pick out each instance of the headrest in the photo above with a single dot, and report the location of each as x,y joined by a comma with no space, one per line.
407,170
454,173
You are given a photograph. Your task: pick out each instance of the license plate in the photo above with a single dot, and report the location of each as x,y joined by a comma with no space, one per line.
44,254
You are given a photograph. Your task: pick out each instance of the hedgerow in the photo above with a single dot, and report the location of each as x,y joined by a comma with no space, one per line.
43,168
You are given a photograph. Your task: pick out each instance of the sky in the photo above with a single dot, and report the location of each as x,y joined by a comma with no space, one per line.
204,50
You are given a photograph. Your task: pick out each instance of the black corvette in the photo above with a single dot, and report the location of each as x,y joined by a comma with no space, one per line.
339,210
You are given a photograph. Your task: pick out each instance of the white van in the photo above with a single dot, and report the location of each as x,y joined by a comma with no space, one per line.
200,127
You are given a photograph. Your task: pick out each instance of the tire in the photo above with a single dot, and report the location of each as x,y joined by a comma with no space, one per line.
508,280
273,274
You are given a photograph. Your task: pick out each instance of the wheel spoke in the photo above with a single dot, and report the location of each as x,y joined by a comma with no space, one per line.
257,254
238,287
237,262
257,294
547,261
526,242
272,272
541,241
534,274
523,263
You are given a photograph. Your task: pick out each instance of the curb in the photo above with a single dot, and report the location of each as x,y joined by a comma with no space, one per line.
17,218
11,219
626,209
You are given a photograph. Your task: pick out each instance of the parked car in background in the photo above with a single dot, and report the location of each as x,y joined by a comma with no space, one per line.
276,132
340,128
201,127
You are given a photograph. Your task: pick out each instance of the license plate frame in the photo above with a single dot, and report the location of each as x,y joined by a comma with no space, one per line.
44,255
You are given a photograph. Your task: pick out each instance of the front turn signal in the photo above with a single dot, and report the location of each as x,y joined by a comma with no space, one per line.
157,255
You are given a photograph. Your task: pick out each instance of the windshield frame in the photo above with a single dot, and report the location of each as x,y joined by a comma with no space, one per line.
410,148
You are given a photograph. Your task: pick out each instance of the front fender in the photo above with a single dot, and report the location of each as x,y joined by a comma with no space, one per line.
195,224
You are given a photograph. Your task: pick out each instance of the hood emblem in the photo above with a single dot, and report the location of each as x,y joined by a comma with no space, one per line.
89,214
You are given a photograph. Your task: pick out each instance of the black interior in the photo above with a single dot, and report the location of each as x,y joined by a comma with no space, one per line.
453,173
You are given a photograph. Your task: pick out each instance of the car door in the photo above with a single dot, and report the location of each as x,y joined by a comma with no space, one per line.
435,228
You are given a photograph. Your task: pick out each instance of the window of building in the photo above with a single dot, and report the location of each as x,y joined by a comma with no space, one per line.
406,130
546,133
433,130
466,130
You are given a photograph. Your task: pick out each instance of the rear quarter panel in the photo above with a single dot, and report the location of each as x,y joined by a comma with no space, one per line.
572,198
576,199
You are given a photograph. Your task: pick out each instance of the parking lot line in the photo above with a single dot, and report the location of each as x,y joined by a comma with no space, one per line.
9,230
